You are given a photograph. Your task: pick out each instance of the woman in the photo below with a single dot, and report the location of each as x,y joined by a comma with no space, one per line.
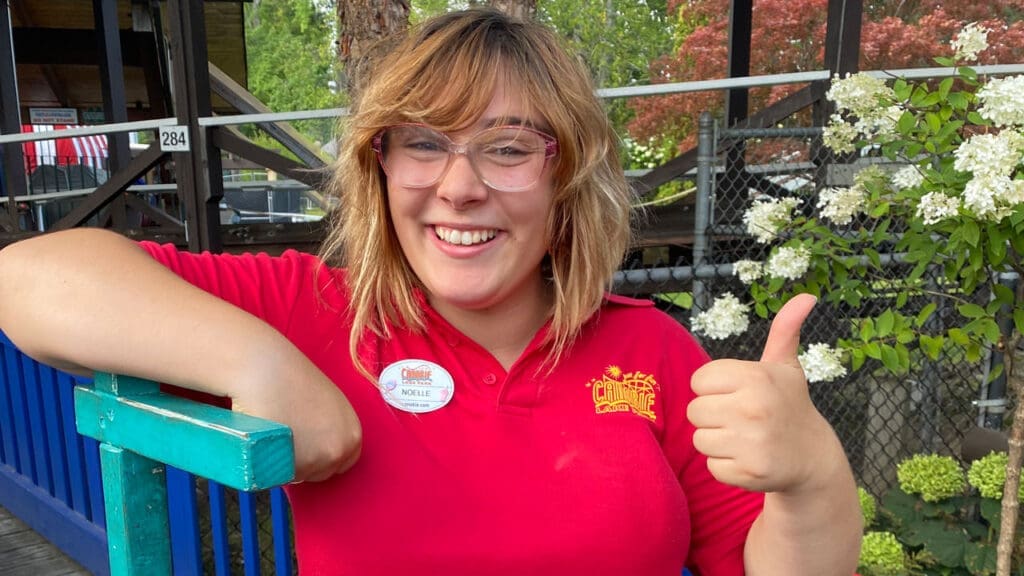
465,397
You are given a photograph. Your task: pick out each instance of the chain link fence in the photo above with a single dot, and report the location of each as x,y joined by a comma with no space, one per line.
880,418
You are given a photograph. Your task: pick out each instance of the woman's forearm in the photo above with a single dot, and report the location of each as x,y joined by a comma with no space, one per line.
87,299
814,530
92,300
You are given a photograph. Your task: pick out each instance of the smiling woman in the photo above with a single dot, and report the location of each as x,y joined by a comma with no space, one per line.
465,396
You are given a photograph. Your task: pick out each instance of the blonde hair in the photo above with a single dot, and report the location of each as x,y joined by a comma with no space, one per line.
443,74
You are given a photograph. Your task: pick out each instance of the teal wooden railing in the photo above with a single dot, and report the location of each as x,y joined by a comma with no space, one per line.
140,429
50,475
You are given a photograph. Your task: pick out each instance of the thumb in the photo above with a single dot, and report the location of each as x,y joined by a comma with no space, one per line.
784,335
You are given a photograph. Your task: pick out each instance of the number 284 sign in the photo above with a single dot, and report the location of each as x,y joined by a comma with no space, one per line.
173,139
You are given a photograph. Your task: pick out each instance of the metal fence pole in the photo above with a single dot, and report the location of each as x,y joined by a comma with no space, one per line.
702,210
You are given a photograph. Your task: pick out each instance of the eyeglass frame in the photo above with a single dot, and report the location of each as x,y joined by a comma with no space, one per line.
551,149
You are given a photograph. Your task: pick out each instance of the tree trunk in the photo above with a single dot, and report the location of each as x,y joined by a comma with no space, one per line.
1011,502
524,9
364,30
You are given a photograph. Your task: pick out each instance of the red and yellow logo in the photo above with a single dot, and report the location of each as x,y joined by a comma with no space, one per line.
618,391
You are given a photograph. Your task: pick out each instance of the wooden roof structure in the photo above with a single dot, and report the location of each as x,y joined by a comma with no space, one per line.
57,61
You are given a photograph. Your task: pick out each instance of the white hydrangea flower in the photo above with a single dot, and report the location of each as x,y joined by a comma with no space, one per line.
935,207
860,94
726,317
970,42
822,363
907,177
840,205
990,154
749,271
879,122
840,136
789,262
992,197
1002,101
765,218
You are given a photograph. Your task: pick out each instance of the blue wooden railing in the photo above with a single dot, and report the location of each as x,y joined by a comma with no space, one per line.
50,477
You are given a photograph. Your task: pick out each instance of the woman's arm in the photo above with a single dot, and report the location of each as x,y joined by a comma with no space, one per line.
757,425
88,299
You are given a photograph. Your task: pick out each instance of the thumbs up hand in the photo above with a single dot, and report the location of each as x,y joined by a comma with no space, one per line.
754,420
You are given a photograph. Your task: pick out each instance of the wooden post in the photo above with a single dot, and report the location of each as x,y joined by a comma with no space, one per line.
141,429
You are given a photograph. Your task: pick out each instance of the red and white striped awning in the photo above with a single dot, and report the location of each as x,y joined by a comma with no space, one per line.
86,150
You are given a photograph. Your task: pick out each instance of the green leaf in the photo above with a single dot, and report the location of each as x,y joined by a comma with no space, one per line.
930,99
996,372
857,355
901,507
967,73
1003,294
1018,320
944,61
991,510
925,314
980,558
972,233
885,323
931,345
969,310
958,100
958,336
974,118
933,121
867,330
891,359
945,545
944,87
906,122
872,350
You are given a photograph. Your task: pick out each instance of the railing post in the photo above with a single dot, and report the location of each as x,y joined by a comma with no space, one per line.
702,209
134,493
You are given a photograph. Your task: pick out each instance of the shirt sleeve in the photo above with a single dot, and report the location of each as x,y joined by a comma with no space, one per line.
267,287
720,515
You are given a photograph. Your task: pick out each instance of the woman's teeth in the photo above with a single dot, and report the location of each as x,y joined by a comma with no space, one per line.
464,237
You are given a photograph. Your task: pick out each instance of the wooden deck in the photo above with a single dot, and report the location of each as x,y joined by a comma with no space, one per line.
25,553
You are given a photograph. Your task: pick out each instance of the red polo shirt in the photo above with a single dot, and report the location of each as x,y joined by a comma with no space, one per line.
586,469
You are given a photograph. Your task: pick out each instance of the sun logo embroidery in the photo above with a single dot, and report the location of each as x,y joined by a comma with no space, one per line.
618,391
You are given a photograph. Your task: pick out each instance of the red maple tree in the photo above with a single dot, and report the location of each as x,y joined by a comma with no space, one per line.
789,36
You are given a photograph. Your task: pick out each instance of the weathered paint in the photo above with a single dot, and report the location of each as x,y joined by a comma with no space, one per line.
237,450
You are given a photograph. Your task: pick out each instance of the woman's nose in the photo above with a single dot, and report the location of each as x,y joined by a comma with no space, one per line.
460,185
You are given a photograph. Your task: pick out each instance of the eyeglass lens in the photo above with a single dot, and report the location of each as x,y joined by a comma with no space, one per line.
508,158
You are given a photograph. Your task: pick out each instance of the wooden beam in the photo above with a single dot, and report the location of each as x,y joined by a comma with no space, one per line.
741,17
842,36
246,103
158,215
769,116
200,182
239,145
104,194
10,122
115,108
72,46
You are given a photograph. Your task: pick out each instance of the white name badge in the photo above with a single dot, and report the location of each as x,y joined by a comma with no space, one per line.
416,386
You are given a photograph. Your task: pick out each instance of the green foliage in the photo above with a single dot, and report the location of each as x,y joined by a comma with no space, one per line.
291,56
868,506
881,554
988,476
616,38
953,535
932,476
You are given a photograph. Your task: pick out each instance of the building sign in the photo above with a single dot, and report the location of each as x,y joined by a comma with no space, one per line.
53,115
92,116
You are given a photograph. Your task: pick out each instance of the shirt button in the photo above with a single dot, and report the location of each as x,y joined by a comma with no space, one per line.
490,379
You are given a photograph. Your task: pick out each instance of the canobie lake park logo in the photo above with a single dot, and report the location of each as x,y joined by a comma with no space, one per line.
618,391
